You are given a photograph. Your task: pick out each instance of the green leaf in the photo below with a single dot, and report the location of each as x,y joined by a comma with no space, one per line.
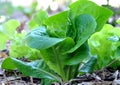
9,8
24,50
88,67
114,38
34,5
34,69
85,25
104,44
60,41
40,17
8,64
100,14
7,31
46,82
56,58
71,30
57,24
3,40
39,39
33,24
118,21
79,56
10,27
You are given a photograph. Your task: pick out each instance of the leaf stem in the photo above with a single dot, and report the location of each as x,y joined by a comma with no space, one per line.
59,64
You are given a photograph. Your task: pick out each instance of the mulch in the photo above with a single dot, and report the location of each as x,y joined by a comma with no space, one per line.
103,77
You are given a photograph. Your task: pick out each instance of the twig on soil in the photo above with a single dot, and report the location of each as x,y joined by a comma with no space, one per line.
18,77
31,80
112,62
108,65
12,79
6,79
73,80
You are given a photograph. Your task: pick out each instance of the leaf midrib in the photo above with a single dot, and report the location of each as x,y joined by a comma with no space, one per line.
59,65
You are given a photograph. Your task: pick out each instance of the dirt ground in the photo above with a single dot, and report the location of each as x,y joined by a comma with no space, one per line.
104,77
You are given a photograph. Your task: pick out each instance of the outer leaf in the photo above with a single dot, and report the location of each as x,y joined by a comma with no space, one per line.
57,24
118,21
8,64
3,40
10,27
100,14
24,50
9,8
88,67
34,5
46,82
40,17
85,25
39,39
34,69
33,24
7,31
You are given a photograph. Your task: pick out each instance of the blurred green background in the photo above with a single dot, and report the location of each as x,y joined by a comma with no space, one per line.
24,10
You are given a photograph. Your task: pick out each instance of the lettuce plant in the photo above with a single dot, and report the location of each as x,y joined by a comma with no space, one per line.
7,32
105,44
17,48
61,40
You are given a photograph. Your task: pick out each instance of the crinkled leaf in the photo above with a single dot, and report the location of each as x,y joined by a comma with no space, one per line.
114,38
10,27
85,26
104,44
100,14
39,39
57,24
24,50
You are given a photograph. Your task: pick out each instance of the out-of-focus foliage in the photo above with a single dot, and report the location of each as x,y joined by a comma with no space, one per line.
6,8
105,44
17,47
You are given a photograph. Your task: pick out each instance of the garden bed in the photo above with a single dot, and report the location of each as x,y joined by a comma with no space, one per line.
103,77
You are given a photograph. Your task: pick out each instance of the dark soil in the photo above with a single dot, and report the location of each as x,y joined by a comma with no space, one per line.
104,77
16,78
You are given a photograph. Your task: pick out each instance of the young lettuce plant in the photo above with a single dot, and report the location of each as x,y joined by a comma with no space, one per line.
17,48
61,40
105,44
6,32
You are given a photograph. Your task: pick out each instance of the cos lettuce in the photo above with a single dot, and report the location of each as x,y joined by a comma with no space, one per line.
61,40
